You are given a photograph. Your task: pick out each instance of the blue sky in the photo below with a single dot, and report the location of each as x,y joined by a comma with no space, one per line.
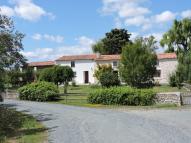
65,27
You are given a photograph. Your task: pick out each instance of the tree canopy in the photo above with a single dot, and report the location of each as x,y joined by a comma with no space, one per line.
113,42
178,38
10,47
138,63
58,75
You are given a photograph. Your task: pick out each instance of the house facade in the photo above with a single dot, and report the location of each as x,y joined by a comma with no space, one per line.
85,65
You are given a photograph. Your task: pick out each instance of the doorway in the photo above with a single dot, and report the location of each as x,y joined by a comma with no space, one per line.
86,77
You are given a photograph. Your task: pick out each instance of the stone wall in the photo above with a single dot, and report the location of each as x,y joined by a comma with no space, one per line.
169,98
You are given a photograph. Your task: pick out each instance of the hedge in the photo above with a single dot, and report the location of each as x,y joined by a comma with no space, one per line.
39,91
122,96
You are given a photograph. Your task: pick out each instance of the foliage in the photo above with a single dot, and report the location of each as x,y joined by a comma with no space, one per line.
106,75
122,96
172,80
10,122
58,75
47,74
178,38
17,78
108,79
138,63
1,98
10,46
39,91
21,127
101,69
113,42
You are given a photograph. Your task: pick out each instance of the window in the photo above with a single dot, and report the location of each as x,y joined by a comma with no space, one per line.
114,63
72,63
158,73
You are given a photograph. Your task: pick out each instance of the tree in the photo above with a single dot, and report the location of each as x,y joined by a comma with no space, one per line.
59,75
10,47
138,63
113,42
101,69
178,39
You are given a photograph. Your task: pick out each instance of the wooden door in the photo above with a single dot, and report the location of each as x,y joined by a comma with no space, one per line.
86,77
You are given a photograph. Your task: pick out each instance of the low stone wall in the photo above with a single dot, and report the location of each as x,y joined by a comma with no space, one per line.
169,98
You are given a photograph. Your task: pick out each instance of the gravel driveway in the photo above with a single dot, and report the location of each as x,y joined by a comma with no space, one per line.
69,124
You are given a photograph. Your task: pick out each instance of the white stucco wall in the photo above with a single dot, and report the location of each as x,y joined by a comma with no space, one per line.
167,67
80,67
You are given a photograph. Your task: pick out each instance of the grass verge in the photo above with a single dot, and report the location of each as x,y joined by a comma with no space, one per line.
17,127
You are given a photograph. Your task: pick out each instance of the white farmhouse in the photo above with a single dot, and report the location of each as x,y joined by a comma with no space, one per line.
85,65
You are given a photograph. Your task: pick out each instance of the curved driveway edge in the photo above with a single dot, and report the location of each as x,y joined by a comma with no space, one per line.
68,124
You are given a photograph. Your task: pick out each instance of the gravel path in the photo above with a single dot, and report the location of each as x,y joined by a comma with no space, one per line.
69,124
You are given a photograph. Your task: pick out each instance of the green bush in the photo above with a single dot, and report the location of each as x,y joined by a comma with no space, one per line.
172,80
122,96
10,121
39,91
108,79
1,98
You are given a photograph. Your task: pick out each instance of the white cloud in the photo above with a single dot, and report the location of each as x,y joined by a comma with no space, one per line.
137,21
83,46
5,10
52,38
165,17
124,8
186,14
57,38
26,9
37,36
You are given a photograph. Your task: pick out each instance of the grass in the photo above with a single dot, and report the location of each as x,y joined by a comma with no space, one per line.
17,127
166,88
77,96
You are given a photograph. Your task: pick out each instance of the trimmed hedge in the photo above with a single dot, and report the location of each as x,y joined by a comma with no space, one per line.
122,96
39,91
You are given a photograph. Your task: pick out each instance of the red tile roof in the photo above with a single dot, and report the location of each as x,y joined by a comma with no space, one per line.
167,56
41,64
77,57
108,57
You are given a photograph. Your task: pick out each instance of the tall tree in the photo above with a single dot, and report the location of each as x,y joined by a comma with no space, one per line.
138,63
178,39
113,42
10,47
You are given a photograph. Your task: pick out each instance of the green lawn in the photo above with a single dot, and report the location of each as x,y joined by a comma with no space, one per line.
166,88
18,127
77,96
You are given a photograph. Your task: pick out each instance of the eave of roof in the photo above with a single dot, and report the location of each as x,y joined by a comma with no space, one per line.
41,64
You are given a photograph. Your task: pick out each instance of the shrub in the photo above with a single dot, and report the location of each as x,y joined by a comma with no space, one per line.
10,121
172,80
122,96
39,91
1,98
108,79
